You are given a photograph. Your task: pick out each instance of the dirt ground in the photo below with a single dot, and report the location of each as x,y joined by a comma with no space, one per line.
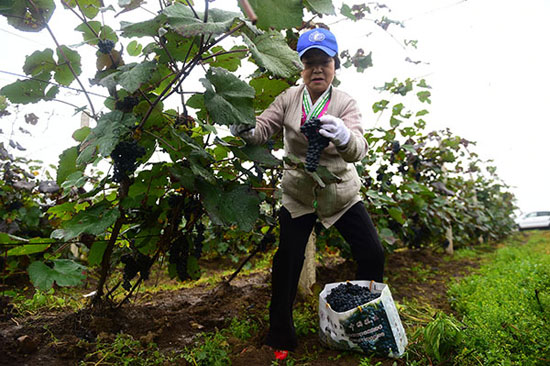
172,319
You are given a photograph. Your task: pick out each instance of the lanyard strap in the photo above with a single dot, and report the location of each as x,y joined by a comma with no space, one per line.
317,109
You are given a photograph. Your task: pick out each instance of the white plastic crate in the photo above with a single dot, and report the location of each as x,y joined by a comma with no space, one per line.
374,327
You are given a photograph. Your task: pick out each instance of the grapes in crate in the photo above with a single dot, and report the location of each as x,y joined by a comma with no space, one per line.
348,296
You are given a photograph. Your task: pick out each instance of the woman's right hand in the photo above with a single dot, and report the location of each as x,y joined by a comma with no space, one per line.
246,132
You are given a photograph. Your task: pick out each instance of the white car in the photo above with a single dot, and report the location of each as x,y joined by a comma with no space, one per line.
534,220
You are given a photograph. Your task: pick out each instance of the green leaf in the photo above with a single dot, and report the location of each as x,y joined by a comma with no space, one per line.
278,14
62,211
89,36
397,214
346,11
104,137
74,180
258,154
229,61
422,112
67,164
90,8
419,188
394,122
380,106
183,21
177,48
379,199
27,91
266,90
39,61
236,205
95,220
81,134
96,253
28,249
134,48
227,98
27,16
148,28
63,74
134,75
271,51
424,96
65,272
321,6
326,176
93,31
388,236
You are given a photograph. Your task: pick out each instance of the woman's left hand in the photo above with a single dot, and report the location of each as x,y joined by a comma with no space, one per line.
334,129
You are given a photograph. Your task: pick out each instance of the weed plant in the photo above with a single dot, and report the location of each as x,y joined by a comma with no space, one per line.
124,350
506,307
45,300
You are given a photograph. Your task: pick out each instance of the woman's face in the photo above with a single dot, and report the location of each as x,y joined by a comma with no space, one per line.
318,72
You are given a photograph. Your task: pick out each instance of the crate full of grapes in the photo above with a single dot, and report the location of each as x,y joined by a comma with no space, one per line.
361,316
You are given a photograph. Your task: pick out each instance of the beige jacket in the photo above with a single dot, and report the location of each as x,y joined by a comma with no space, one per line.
300,190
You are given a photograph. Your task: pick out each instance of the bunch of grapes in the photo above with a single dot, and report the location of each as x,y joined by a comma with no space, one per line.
127,104
134,264
124,158
347,296
105,46
178,255
199,239
266,241
316,143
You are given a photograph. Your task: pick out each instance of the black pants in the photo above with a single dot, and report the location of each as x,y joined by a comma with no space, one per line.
359,232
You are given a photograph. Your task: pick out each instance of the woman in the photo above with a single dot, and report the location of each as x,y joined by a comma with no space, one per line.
304,201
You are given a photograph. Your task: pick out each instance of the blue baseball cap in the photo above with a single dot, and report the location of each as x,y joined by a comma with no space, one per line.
317,38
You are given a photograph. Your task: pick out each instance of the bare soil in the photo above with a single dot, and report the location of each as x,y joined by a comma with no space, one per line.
173,319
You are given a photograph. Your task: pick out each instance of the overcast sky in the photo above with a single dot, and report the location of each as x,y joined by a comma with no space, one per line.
486,61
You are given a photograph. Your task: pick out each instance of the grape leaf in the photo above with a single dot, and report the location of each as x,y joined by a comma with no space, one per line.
94,220
39,61
90,8
148,28
63,74
183,20
96,252
321,6
229,61
397,214
34,246
81,134
266,90
27,16
65,272
67,164
133,75
237,205
227,98
104,137
278,14
134,48
28,91
271,51
258,154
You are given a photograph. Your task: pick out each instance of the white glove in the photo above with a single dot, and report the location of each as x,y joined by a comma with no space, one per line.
334,129
244,131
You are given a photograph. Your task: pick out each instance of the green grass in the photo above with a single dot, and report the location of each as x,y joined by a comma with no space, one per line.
506,306
124,350
62,298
